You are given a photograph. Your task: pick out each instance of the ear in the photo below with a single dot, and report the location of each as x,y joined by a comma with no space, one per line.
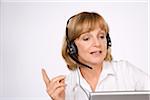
76,41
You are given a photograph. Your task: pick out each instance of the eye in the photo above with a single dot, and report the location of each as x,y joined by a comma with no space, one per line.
101,36
86,38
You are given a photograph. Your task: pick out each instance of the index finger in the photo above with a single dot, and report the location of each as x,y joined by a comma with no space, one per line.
45,77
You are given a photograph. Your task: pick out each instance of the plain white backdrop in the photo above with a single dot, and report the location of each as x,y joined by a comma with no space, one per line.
32,35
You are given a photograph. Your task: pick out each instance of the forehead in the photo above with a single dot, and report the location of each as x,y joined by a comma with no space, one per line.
96,31
92,25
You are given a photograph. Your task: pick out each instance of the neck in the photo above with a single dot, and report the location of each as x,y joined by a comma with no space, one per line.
91,75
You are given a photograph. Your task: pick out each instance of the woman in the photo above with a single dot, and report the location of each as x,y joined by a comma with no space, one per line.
87,52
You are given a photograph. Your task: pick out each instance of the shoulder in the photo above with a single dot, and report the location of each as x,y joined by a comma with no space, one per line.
128,70
129,75
125,67
71,82
71,78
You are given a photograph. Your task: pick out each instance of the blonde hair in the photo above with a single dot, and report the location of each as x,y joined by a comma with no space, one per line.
79,24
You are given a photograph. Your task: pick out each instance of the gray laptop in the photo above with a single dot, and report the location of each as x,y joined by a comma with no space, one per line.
121,95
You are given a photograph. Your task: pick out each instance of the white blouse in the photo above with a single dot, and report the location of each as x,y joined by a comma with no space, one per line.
115,76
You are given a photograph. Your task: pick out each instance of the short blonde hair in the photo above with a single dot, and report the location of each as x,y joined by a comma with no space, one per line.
79,24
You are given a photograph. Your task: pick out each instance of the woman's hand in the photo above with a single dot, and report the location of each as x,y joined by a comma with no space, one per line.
55,87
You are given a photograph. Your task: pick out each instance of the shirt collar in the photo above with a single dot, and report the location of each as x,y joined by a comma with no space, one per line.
107,70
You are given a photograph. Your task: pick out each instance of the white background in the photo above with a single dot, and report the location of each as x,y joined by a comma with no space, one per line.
32,34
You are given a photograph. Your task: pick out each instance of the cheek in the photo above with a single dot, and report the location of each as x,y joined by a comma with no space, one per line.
104,45
105,49
105,52
83,49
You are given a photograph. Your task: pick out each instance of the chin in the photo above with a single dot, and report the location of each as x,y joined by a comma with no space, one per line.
92,60
96,61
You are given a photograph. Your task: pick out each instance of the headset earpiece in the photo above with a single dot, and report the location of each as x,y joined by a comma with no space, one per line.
72,48
108,40
70,44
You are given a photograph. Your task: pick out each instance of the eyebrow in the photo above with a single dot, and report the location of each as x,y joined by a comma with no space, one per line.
99,32
102,33
88,33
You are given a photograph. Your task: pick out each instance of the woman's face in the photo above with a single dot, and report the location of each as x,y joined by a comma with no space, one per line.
92,47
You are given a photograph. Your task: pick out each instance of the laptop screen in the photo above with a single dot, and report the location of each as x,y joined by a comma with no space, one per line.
120,95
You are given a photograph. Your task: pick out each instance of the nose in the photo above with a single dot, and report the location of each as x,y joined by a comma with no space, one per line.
96,42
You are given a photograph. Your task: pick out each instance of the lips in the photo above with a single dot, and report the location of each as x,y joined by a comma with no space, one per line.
96,52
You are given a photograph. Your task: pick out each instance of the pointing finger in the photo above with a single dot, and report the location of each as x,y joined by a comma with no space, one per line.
45,77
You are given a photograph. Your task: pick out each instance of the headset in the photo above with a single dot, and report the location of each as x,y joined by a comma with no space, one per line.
73,50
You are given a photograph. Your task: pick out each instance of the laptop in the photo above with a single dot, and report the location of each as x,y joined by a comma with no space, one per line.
120,95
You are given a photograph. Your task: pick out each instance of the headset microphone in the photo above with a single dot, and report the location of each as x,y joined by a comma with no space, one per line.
75,59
